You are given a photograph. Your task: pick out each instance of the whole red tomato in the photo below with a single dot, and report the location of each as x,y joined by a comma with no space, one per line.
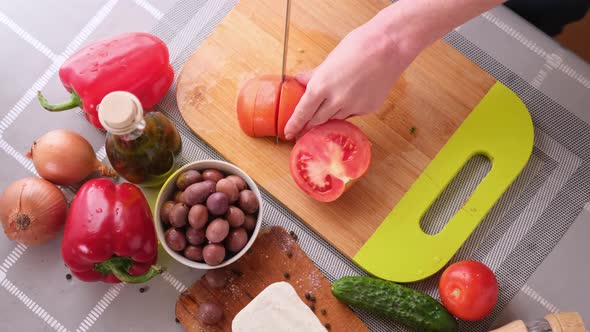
469,290
329,158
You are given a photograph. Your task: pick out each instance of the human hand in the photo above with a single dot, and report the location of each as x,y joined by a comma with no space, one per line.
354,79
357,75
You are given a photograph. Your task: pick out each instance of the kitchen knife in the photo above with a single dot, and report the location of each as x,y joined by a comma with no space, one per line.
285,48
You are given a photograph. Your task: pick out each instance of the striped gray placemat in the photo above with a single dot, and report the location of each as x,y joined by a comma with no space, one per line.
531,236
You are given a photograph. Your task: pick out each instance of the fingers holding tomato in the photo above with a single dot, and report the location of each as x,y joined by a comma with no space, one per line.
469,290
291,93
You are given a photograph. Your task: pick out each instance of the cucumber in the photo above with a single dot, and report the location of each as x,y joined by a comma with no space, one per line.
387,299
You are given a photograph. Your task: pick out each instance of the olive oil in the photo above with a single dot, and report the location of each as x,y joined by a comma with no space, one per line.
143,148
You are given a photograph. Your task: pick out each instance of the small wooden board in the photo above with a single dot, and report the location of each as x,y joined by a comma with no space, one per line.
274,253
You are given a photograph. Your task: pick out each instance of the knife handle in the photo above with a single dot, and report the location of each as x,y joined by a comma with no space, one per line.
559,322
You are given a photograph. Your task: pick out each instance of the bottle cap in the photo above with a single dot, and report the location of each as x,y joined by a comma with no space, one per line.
119,112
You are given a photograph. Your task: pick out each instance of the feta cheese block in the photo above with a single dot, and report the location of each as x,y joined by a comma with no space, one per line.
277,308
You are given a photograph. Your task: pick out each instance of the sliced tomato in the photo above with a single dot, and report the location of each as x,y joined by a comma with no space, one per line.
329,158
258,104
245,105
291,93
265,105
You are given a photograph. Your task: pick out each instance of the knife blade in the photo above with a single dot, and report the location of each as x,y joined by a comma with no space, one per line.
285,49
286,39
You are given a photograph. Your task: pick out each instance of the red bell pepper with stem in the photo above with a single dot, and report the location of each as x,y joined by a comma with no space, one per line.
135,62
109,234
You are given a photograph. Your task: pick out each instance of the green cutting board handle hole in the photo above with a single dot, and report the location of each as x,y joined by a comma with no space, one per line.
456,194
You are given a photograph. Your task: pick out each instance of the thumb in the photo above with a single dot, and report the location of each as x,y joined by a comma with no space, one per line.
304,77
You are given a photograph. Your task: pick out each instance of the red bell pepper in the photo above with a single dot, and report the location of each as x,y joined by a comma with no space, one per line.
135,62
109,234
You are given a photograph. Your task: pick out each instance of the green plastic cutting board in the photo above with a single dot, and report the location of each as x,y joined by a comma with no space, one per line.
500,128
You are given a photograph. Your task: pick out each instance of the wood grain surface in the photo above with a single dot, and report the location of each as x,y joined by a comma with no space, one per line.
434,95
274,257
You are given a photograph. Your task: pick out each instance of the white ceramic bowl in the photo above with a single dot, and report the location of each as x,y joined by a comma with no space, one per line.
169,187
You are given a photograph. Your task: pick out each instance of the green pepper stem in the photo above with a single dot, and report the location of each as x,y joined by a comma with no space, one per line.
119,267
74,102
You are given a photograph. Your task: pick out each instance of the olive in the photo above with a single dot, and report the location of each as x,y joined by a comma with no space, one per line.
175,239
179,196
197,216
210,185
178,215
213,253
197,193
248,202
212,174
165,212
249,222
216,278
229,188
217,204
217,230
210,313
239,182
195,236
236,239
194,253
187,178
235,216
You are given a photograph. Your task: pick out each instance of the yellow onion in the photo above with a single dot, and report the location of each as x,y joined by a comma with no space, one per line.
32,211
66,158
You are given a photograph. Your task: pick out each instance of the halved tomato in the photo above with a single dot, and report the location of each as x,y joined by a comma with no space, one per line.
329,158
265,105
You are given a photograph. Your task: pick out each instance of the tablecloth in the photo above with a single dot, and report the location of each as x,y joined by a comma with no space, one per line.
535,238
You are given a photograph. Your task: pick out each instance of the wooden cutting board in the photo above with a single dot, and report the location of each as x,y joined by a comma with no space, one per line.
434,95
274,257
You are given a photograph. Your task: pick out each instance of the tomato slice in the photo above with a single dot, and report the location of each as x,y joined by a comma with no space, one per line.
291,93
329,158
266,106
245,105
469,290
